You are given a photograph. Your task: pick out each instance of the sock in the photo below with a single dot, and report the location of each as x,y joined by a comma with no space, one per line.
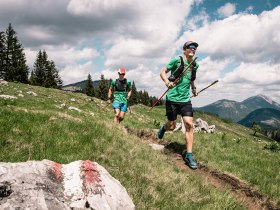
189,154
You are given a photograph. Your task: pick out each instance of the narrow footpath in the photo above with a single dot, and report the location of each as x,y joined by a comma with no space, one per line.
251,198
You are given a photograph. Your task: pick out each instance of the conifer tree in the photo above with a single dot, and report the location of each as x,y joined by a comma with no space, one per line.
57,77
146,98
134,95
256,128
102,89
2,56
49,80
52,78
140,97
19,64
45,72
38,73
32,78
15,68
89,89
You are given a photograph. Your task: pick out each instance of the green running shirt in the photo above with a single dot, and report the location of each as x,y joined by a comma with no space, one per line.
120,96
181,91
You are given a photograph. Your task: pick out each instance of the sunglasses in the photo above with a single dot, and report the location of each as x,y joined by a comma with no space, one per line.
121,74
191,47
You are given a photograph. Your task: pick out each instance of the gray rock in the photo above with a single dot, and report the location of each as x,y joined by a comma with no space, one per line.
48,185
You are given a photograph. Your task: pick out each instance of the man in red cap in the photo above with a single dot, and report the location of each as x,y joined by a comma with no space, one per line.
121,89
178,96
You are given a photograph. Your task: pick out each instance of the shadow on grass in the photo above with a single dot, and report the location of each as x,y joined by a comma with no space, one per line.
175,147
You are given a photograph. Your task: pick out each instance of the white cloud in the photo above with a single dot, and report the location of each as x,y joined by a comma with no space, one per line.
76,72
73,64
69,55
244,37
210,70
259,74
245,80
227,10
143,36
97,8
150,35
249,9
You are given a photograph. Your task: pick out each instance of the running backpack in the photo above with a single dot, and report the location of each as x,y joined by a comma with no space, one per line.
121,85
177,73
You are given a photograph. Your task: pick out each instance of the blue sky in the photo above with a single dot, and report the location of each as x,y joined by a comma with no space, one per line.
239,41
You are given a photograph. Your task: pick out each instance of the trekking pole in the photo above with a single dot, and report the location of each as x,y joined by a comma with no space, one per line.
206,87
176,80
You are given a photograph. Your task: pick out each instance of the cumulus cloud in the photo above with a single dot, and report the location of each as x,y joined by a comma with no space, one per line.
245,80
245,37
132,33
64,55
143,36
76,72
227,10
257,74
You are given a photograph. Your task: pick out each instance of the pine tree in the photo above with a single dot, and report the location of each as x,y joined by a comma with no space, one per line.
15,68
52,78
49,81
32,78
2,55
256,128
146,98
89,89
57,78
134,95
19,64
45,72
39,70
103,88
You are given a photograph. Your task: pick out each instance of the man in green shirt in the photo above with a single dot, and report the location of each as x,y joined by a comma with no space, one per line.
121,89
178,97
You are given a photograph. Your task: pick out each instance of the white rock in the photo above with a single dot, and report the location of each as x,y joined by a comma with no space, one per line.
8,97
157,146
49,185
31,93
74,108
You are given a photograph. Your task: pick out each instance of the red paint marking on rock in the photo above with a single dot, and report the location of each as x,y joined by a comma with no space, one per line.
91,178
56,168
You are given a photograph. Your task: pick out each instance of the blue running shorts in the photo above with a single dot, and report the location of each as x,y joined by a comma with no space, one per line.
121,106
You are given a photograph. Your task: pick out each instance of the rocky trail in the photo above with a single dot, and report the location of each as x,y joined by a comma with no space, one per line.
250,197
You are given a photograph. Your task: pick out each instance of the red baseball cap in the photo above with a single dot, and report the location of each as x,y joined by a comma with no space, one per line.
121,70
189,43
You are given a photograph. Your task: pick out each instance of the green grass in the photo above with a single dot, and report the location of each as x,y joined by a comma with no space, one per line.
35,128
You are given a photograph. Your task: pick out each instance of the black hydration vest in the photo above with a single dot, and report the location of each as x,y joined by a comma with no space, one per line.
177,73
121,85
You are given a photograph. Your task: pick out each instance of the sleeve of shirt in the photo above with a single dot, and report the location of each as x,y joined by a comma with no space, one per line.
129,84
113,83
173,63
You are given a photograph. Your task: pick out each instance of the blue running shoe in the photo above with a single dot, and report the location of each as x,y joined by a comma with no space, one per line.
161,132
188,158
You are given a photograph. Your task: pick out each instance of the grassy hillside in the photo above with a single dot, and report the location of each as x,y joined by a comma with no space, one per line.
42,127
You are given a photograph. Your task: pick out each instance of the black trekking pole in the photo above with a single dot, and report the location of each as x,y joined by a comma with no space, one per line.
206,87
176,80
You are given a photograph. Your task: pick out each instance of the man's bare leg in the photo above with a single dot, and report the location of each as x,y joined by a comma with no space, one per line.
116,118
121,116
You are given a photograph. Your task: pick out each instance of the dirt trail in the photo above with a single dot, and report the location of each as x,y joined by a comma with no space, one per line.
251,198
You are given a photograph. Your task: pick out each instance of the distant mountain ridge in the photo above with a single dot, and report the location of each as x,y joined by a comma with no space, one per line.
236,111
267,118
78,86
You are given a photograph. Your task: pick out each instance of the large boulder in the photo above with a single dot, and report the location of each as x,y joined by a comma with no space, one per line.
49,185
199,125
202,126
